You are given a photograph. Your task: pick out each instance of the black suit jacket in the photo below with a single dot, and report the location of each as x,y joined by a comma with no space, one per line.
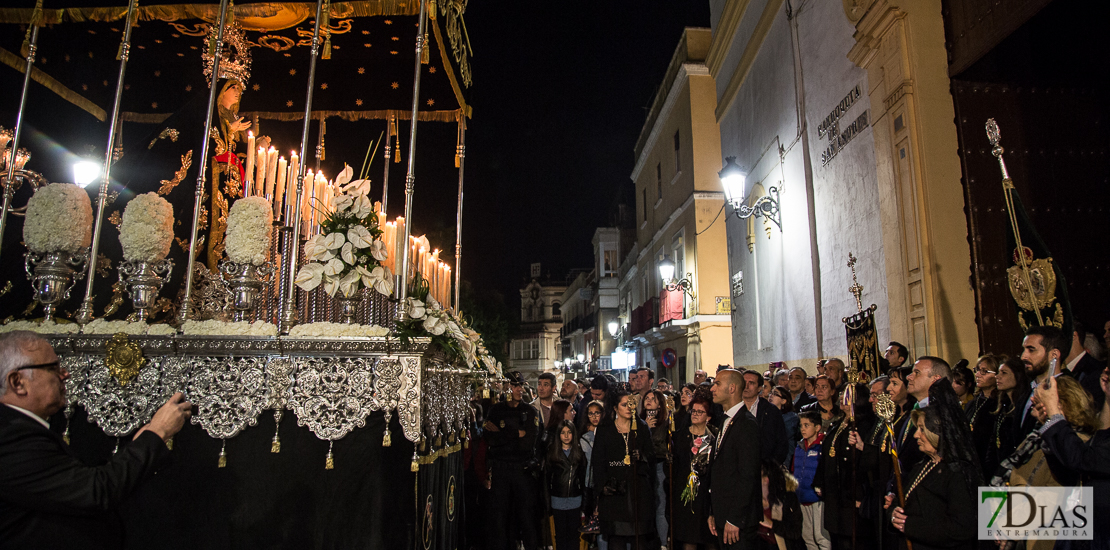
772,431
735,488
49,499
1087,372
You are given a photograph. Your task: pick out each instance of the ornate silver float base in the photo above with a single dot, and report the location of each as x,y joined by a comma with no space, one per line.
52,276
143,281
246,282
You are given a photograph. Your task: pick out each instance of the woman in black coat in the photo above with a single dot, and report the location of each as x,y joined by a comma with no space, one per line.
624,474
782,512
940,490
693,446
840,481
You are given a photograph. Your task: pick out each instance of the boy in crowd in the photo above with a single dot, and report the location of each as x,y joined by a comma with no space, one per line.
806,457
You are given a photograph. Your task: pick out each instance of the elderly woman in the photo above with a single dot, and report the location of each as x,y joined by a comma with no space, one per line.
1076,460
692,447
941,488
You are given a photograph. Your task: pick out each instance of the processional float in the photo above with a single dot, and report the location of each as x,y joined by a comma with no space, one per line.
259,332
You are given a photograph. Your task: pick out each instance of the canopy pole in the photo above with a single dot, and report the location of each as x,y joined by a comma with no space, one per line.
410,177
85,313
183,315
9,180
385,176
289,315
461,154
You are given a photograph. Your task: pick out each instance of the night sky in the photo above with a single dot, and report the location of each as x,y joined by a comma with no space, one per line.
560,93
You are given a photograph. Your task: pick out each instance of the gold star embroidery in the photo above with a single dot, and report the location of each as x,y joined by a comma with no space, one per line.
358,102
175,35
394,52
191,48
366,45
395,85
365,32
179,54
157,41
188,87
388,21
154,105
361,70
157,73
126,86
105,83
142,47
324,86
394,38
255,87
85,87
286,55
431,69
92,31
289,103
292,72
431,102
90,55
67,58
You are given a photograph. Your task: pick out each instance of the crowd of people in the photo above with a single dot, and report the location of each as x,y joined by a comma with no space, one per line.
782,459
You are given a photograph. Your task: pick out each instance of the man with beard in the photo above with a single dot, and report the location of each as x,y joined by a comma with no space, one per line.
1042,352
510,432
895,355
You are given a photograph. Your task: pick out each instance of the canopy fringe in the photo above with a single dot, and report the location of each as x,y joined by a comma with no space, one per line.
19,63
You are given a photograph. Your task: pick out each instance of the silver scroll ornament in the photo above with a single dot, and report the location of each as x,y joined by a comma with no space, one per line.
245,281
121,408
229,393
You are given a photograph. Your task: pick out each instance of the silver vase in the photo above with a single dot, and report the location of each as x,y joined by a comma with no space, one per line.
246,282
52,275
347,308
143,281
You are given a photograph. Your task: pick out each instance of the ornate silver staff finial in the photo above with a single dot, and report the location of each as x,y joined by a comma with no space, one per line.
994,135
856,289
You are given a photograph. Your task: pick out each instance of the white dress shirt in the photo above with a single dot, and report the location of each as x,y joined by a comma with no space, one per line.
34,416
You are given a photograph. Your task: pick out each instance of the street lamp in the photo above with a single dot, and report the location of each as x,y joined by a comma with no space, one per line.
734,180
666,272
581,358
614,326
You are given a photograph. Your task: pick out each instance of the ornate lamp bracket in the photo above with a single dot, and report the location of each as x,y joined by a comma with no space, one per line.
765,207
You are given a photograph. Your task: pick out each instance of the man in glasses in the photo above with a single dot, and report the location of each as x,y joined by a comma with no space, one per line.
48,498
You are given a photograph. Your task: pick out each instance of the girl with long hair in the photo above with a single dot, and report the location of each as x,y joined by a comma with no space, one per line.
656,416
1013,392
565,475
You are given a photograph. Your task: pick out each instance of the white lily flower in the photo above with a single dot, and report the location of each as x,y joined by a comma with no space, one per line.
344,176
363,207
358,187
309,276
334,267
435,324
378,250
331,284
348,285
316,250
433,304
360,237
384,283
334,241
344,202
414,308
348,253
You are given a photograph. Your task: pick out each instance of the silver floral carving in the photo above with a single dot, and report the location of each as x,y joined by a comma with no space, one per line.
229,394
121,409
408,409
332,396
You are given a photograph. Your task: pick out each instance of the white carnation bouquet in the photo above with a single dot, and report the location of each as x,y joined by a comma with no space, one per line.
346,256
248,230
223,328
136,328
46,327
337,330
59,219
147,229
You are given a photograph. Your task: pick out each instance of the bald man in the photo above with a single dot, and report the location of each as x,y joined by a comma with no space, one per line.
735,490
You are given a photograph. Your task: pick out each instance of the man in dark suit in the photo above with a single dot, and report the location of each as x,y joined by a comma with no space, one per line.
49,499
796,383
735,489
772,430
1085,368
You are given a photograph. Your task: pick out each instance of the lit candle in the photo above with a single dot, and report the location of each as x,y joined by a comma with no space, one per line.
317,204
250,154
447,285
271,171
306,195
260,171
279,192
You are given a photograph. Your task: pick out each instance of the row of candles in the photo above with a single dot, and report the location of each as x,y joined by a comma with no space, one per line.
275,179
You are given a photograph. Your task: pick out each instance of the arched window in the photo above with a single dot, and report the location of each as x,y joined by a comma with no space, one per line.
555,311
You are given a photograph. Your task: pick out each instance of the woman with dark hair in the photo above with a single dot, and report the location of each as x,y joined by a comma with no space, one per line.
978,411
693,446
655,415
565,475
624,473
549,435
963,383
940,509
781,398
781,528
824,392
1013,392
589,423
682,411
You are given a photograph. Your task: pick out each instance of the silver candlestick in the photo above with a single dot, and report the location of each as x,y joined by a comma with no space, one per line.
245,282
143,281
52,276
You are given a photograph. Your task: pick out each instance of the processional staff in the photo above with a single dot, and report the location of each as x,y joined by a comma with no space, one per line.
85,312
460,154
9,179
410,176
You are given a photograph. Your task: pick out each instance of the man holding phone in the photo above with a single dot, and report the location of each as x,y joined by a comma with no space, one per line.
1042,352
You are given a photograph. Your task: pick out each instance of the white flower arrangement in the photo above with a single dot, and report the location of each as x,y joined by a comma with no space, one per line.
224,328
346,256
147,229
248,230
337,330
139,328
41,328
59,219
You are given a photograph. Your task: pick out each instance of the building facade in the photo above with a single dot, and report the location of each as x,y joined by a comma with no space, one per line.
679,201
537,348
